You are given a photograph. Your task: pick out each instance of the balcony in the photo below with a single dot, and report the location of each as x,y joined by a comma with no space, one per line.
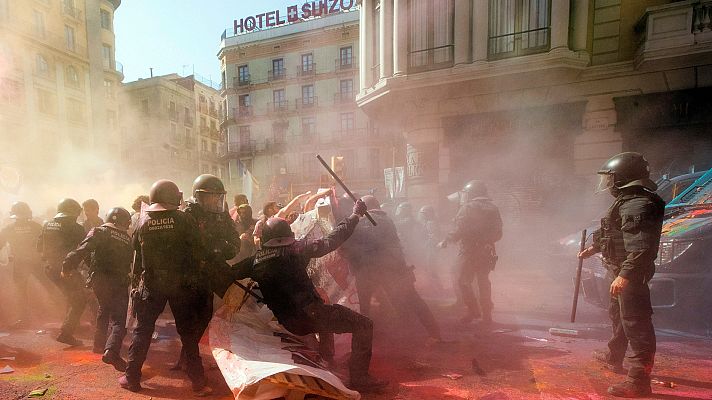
676,30
190,142
355,136
241,81
306,70
278,107
209,155
188,120
345,64
277,75
306,103
173,115
243,112
276,145
432,59
303,139
71,11
242,148
344,98
215,134
205,130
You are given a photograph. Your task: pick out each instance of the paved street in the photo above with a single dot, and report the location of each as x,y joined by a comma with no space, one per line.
517,357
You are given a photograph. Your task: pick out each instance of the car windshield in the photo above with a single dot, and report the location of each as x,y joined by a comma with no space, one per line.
669,188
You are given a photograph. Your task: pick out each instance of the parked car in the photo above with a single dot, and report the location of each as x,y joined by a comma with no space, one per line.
681,290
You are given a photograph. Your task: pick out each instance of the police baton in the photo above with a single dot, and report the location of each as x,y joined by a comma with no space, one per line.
577,282
343,186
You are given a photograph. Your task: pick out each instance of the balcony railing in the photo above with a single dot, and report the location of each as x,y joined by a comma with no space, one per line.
241,81
430,59
242,148
215,134
173,115
345,64
242,112
277,107
71,11
342,98
304,139
277,74
348,136
675,29
306,103
276,144
515,44
306,70
188,120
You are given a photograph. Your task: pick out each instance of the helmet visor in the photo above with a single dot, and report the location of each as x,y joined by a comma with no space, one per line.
605,182
211,202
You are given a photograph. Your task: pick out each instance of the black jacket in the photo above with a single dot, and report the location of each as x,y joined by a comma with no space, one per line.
21,235
281,271
59,236
108,251
374,247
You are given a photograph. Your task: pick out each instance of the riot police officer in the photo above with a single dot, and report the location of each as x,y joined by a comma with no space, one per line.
478,226
280,270
409,232
21,236
377,261
628,239
219,238
59,236
168,248
108,252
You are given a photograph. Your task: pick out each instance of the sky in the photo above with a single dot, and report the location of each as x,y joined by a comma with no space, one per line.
178,36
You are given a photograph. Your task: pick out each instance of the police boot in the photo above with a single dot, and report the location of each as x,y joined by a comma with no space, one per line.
201,388
367,383
69,339
114,359
630,389
604,357
127,384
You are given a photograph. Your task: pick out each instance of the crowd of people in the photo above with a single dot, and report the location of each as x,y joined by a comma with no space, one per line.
183,253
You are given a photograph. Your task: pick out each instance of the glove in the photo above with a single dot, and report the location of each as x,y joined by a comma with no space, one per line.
360,208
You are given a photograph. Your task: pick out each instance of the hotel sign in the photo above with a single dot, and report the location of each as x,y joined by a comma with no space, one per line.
294,13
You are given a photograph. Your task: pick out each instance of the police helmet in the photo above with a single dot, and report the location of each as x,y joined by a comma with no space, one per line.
277,233
20,210
209,192
120,217
625,170
68,208
164,195
371,201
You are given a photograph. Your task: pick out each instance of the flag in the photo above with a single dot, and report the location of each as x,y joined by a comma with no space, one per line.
250,186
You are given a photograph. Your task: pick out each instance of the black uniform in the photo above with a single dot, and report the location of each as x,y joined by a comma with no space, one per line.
291,295
478,226
21,235
109,254
59,236
219,238
377,260
168,250
628,240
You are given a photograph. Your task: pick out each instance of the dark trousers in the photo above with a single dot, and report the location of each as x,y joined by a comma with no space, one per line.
631,318
73,290
333,318
113,298
183,303
399,287
476,264
203,313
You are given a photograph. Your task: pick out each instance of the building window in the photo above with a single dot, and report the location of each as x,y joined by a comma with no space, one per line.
42,66
109,89
38,23
111,119
172,111
347,121
204,145
309,171
308,126
307,67
106,56
46,103
105,19
346,57
243,75
346,89
374,163
72,77
430,34
69,38
308,98
187,116
279,97
278,71
518,27
144,106
279,131
69,8
75,110
244,100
